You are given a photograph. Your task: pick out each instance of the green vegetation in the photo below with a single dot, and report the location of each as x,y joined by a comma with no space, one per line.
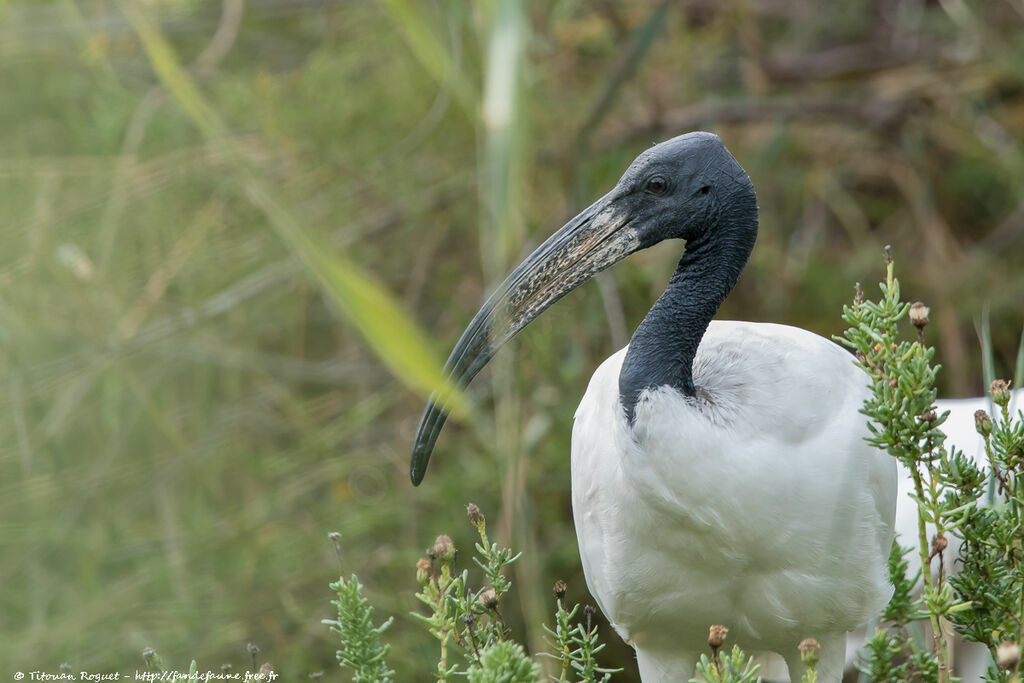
360,638
239,236
903,421
984,600
576,645
469,620
735,667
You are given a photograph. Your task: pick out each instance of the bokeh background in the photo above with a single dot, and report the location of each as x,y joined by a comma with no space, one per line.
237,238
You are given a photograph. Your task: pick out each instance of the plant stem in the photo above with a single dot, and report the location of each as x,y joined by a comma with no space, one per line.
443,664
926,578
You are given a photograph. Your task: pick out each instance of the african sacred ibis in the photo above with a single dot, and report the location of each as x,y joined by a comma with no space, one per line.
719,470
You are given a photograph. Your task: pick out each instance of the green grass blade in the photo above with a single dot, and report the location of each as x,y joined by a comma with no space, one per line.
1018,373
639,45
432,54
987,358
390,333
988,374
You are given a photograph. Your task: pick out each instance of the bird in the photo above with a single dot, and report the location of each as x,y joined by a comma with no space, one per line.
719,470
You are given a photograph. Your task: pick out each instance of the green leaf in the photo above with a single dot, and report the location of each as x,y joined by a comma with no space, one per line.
432,54
389,332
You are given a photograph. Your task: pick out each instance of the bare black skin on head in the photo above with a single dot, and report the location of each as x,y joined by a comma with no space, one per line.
711,204
690,188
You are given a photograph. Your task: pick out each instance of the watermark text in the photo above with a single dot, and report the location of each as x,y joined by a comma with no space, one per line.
148,676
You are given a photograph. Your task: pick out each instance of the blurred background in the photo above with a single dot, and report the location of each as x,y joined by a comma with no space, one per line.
237,238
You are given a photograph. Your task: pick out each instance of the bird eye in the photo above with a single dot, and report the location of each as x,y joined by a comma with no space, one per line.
656,185
705,189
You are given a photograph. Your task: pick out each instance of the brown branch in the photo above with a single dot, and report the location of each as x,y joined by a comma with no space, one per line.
846,60
873,112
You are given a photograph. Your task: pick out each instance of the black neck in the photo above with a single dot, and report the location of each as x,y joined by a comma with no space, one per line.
662,349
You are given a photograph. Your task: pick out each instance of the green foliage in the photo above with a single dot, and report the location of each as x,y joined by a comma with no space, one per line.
491,558
734,667
893,657
187,408
991,577
984,600
575,644
157,671
361,649
503,662
903,421
903,377
810,654
882,659
903,608
370,308
457,613
445,596
467,619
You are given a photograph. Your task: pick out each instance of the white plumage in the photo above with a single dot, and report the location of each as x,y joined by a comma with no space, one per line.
720,473
756,505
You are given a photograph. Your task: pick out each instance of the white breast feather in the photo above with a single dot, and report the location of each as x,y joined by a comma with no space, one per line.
755,504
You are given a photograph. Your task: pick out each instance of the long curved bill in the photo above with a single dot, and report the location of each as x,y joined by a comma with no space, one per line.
592,241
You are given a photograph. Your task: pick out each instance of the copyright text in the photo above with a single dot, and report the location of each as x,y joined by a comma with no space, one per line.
148,676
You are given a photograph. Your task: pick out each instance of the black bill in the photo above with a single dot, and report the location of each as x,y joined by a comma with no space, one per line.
597,238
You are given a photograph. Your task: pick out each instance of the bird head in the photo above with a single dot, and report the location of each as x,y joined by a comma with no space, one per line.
679,189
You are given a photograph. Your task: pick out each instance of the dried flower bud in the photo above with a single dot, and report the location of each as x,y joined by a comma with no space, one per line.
982,422
1000,391
65,668
589,611
1007,655
810,649
252,649
335,538
152,659
919,314
443,549
266,672
476,518
316,675
939,544
928,415
225,668
716,636
560,588
422,571
488,598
